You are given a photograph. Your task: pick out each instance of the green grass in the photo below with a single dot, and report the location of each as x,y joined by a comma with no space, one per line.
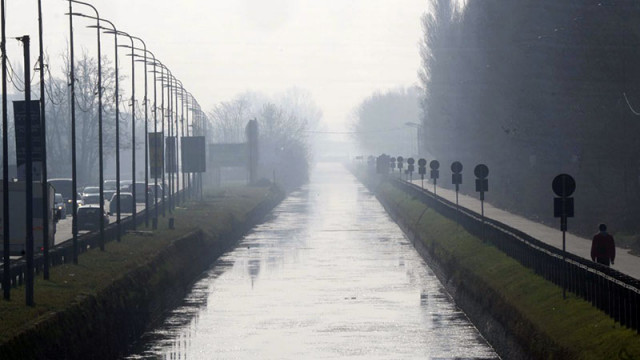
571,327
70,284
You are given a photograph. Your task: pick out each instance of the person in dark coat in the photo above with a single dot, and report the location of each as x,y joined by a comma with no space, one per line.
603,248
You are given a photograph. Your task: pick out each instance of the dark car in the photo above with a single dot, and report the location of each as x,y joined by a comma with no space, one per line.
59,205
127,205
89,217
91,199
140,191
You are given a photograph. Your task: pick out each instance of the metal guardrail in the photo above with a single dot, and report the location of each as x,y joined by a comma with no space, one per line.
63,252
611,291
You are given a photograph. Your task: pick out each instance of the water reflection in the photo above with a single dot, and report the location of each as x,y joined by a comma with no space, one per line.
328,276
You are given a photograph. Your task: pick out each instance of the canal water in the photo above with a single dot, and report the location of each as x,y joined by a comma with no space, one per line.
327,276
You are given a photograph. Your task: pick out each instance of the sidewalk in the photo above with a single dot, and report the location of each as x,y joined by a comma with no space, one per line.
625,262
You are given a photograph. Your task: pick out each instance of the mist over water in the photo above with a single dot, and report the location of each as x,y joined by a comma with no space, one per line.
327,275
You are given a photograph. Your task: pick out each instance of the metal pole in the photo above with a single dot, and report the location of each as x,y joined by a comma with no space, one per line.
146,135
162,139
133,130
176,134
46,207
74,180
29,174
100,137
170,129
6,262
155,144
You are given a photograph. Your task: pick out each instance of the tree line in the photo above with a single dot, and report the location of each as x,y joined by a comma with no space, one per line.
534,88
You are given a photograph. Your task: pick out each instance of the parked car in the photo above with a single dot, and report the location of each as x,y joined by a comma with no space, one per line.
127,205
140,191
89,217
59,205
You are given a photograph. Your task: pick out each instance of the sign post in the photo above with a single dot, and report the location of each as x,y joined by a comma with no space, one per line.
456,178
422,169
482,184
435,174
400,160
563,186
410,167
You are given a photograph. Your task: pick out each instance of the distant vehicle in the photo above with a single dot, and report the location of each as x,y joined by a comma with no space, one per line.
60,205
140,191
90,199
17,217
90,190
89,217
156,190
127,205
65,188
110,185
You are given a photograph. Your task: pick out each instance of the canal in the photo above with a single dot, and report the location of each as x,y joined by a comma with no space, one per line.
327,276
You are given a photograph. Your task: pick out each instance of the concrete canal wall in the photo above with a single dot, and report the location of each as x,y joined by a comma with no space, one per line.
104,325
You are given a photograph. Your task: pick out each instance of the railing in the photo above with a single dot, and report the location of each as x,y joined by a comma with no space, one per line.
611,291
63,252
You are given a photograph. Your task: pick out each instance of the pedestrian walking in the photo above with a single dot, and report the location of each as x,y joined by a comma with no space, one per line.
603,248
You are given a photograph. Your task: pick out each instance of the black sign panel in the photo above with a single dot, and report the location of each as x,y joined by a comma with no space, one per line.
171,154
156,154
193,154
20,118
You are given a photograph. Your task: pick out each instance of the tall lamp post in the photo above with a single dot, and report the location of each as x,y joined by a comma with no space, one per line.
114,31
6,261
74,181
146,118
419,134
133,127
100,138
43,141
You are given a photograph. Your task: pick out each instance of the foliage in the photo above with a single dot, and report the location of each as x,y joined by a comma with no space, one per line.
379,122
283,125
537,88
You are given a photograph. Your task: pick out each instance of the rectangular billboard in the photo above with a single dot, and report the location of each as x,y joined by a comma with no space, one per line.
193,154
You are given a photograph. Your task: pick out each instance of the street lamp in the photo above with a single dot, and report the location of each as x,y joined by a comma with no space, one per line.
133,127
146,118
419,134
100,139
114,31
74,191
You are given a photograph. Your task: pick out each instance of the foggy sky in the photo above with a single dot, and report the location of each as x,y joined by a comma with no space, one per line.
339,50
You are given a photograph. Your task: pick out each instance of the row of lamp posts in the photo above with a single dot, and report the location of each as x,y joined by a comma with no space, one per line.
173,113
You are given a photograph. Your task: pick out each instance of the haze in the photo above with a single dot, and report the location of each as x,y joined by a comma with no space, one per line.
340,51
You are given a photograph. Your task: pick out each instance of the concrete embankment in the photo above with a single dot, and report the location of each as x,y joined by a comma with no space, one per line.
522,315
103,323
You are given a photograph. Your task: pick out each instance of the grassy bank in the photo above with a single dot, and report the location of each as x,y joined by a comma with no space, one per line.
71,285
529,307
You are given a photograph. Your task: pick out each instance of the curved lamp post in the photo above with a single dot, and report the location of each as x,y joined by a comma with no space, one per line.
100,139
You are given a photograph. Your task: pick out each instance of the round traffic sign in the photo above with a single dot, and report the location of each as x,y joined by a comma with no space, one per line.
434,164
563,185
456,167
422,162
410,161
481,171
400,159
